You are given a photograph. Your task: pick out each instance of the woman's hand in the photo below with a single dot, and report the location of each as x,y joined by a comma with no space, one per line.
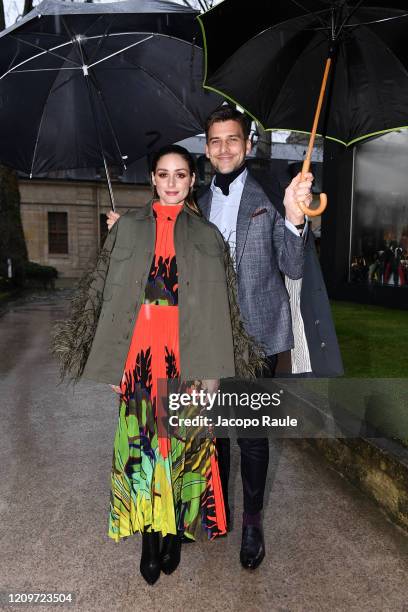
210,386
116,388
112,218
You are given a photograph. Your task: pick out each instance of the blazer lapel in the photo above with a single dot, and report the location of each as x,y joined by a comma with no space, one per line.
249,202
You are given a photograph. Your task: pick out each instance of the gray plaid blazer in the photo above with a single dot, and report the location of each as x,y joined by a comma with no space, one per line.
265,251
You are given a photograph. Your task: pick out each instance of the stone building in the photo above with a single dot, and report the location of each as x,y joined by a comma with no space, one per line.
64,221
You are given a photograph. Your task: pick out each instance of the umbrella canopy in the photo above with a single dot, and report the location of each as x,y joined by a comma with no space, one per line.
85,84
271,63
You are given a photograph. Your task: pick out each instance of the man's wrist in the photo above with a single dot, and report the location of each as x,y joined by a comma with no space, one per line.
296,220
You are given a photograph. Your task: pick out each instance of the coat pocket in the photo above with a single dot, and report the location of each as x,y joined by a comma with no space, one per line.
121,253
259,211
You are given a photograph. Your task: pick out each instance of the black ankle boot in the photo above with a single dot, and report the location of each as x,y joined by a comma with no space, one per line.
170,553
150,559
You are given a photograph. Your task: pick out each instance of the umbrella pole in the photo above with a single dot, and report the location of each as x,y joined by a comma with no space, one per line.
85,71
98,134
108,178
306,164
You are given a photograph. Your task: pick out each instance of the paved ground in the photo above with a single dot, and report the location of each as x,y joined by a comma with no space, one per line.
328,547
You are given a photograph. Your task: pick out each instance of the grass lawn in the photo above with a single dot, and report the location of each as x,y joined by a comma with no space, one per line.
373,340
374,345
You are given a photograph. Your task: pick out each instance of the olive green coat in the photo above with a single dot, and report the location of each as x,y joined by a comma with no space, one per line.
94,342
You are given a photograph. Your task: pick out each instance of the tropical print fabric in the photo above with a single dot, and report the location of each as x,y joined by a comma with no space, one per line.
165,484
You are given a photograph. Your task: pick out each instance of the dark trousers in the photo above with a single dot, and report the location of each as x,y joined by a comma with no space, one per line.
254,460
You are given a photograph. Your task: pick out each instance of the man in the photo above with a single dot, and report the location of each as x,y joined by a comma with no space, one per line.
265,245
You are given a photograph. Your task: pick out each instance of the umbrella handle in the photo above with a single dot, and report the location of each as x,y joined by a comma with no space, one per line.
314,212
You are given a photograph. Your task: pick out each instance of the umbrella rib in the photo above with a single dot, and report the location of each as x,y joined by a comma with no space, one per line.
50,51
104,35
155,78
309,12
347,17
46,69
121,51
360,23
40,126
97,21
98,89
43,52
71,42
157,34
312,45
89,82
100,43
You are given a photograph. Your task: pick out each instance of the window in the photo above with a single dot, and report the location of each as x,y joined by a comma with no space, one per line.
58,232
379,241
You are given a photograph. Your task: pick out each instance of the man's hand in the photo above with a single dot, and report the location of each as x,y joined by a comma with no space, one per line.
112,218
298,191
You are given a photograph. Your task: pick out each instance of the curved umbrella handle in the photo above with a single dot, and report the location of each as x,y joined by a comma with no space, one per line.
314,212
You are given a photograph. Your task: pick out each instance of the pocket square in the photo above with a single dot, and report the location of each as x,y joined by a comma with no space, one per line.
259,212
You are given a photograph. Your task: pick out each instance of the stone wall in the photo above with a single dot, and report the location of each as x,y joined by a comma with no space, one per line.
378,466
83,202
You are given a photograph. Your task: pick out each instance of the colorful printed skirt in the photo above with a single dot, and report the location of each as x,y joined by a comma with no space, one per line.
172,484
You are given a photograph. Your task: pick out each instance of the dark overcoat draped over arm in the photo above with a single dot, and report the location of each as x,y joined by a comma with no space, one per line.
321,339
272,256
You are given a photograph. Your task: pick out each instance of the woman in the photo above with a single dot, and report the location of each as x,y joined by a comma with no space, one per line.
160,304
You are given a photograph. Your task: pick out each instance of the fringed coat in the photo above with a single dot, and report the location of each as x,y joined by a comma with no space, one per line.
93,343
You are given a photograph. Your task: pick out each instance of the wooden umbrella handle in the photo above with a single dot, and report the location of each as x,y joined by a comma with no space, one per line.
314,212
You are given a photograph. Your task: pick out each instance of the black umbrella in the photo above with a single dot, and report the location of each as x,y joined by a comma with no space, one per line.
271,62
88,84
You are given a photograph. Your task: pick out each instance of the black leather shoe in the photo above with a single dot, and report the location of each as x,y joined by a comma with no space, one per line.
170,553
252,547
150,559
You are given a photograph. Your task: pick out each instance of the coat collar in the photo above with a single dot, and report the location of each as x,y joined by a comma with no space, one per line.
147,210
204,201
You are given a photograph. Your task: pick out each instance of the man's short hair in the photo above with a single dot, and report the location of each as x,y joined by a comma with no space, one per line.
228,113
